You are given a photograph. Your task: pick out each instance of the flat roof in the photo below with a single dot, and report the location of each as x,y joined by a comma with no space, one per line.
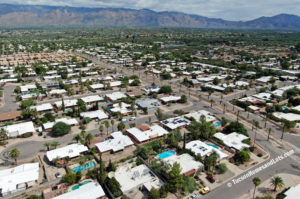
71,151
233,140
153,132
99,114
19,129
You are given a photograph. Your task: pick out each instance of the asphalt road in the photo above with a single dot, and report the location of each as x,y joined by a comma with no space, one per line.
10,103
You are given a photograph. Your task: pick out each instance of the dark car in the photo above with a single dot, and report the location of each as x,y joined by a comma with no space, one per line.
210,178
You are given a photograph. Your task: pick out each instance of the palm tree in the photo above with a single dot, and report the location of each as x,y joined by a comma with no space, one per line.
211,102
256,181
14,153
77,138
269,132
54,144
88,139
101,129
237,115
277,182
266,119
83,134
112,122
106,123
47,145
224,108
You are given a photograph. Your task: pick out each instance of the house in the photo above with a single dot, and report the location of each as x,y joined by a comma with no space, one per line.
152,89
287,116
67,103
292,192
89,190
123,109
175,122
198,114
20,129
145,133
13,115
92,99
57,92
70,151
188,164
115,143
138,177
149,103
28,87
170,99
98,114
42,107
97,86
204,149
18,178
115,96
233,140
49,125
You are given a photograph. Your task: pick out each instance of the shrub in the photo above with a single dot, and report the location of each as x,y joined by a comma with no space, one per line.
60,129
221,168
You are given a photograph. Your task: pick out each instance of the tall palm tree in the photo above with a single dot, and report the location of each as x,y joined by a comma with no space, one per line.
83,134
54,144
266,119
106,123
224,108
77,138
101,129
256,181
47,145
277,182
88,139
112,122
14,153
237,115
211,102
269,132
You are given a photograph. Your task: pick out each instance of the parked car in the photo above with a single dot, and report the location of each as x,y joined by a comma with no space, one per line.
210,178
132,118
123,120
58,175
205,190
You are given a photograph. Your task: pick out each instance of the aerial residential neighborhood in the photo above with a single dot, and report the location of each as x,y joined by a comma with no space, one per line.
105,107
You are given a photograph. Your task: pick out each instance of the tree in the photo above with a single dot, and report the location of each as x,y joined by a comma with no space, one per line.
236,127
27,103
154,194
211,161
287,125
277,182
269,132
165,89
112,122
47,145
175,180
256,181
241,156
14,154
189,185
77,138
101,129
183,99
114,186
211,102
106,123
221,168
216,81
121,126
60,129
111,167
202,129
88,139
54,144
142,152
102,175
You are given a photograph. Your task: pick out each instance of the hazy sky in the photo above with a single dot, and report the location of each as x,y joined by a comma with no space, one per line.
226,9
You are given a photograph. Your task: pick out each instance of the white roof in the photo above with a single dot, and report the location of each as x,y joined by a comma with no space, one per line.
70,122
197,115
42,107
91,99
11,178
71,151
130,178
263,96
57,91
123,109
297,108
97,86
170,98
293,192
115,83
203,149
173,123
91,190
67,103
19,129
153,132
186,162
233,140
115,96
27,87
118,142
99,114
264,79
287,116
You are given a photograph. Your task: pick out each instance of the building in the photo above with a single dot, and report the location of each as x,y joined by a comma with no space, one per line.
145,133
149,103
233,140
98,114
115,143
28,87
71,151
198,114
20,129
123,109
170,99
71,122
188,164
90,190
175,122
293,192
203,149
67,103
115,96
18,178
42,107
92,99
136,178
287,116
13,115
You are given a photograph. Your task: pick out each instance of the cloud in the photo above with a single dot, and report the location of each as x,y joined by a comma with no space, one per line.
226,9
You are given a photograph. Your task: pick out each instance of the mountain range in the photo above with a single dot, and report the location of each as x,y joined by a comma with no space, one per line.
22,16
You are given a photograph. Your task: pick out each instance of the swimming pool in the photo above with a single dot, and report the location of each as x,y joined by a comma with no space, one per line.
79,185
284,108
216,124
216,147
166,154
84,167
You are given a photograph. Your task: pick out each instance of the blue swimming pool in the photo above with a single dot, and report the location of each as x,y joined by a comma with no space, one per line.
284,108
166,154
216,147
216,124
79,185
84,167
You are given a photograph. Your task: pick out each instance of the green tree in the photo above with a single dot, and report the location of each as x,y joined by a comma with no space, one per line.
189,185
235,127
47,145
89,138
101,129
277,182
202,129
60,129
106,123
183,99
54,144
154,194
241,156
256,181
175,180
14,154
27,103
165,89
114,186
121,126
216,81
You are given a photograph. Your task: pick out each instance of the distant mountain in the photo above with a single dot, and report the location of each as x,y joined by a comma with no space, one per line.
17,16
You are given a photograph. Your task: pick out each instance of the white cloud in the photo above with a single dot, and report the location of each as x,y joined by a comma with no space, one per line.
226,9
